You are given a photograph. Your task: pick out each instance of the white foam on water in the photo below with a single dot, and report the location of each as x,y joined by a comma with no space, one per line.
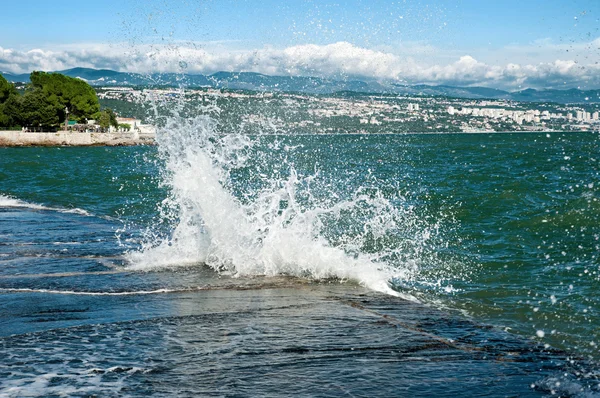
85,293
72,384
273,234
8,202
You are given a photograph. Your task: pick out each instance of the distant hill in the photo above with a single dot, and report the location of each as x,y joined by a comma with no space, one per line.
314,85
15,78
561,96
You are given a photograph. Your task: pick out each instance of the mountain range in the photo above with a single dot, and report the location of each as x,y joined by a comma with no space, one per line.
313,85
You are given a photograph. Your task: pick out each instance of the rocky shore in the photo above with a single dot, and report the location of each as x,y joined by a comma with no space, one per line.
65,138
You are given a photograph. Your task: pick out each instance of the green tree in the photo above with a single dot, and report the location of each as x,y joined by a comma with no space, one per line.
6,89
36,110
46,101
10,111
4,119
66,92
106,118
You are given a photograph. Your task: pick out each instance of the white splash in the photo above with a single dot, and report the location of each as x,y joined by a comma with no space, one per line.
275,233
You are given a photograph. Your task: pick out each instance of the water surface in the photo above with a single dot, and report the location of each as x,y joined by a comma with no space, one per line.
214,265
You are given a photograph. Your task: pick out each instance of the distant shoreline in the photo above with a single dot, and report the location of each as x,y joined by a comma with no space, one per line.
65,138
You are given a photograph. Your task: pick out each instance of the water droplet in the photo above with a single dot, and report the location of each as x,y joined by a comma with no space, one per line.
540,334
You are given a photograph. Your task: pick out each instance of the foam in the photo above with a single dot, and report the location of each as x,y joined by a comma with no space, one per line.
10,202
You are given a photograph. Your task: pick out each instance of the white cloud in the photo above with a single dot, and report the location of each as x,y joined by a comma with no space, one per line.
336,60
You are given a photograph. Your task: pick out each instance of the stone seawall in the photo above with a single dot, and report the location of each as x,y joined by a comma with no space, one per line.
66,138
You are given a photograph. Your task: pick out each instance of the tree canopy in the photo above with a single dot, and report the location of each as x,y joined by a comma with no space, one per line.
67,92
6,89
37,110
106,118
45,101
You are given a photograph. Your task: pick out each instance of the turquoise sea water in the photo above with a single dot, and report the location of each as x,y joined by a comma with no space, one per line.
499,229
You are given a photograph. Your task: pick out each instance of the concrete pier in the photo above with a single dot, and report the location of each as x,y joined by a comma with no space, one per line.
67,138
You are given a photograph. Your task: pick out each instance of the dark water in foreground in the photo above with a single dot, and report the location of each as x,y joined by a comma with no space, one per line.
498,230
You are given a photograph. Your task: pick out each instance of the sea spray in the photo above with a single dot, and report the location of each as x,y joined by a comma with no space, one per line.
242,208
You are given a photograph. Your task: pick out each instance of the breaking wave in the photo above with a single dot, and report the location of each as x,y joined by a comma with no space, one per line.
241,207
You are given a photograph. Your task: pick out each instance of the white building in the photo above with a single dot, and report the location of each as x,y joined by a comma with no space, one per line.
132,122
135,126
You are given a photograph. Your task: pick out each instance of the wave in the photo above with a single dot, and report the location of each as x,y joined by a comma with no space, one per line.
275,223
8,202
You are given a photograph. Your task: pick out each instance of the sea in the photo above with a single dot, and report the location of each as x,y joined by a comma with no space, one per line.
216,263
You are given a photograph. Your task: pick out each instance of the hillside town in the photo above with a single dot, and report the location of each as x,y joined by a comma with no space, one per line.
355,112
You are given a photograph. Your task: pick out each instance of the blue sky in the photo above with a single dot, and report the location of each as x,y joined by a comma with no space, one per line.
432,35
459,23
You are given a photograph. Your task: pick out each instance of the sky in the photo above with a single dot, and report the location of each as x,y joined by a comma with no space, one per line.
509,44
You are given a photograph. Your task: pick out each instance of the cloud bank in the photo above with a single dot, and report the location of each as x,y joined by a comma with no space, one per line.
336,60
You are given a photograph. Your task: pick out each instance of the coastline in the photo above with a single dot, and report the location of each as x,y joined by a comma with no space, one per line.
67,138
10,139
